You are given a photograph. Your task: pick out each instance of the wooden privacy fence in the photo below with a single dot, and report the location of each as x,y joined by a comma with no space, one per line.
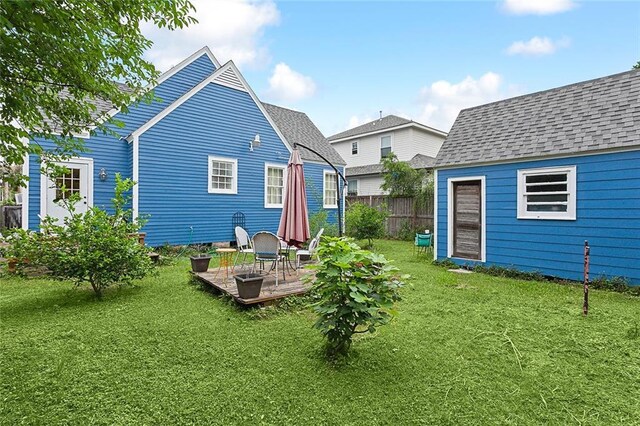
403,212
10,217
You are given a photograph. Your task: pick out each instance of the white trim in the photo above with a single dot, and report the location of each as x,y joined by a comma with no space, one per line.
234,183
44,181
435,215
83,135
211,79
570,214
170,72
390,143
135,200
391,129
540,158
25,190
267,166
324,181
483,214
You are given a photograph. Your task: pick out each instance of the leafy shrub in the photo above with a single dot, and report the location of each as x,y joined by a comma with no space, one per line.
319,220
400,179
357,290
95,247
365,222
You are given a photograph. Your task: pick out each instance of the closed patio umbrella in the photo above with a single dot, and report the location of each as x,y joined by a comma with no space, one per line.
294,222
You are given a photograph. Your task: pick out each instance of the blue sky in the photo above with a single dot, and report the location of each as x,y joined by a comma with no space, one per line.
342,62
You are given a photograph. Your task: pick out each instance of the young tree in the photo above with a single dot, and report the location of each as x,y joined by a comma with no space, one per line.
365,222
82,48
636,66
400,180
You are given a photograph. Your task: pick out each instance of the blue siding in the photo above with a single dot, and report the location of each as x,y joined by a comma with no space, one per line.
111,153
174,168
608,216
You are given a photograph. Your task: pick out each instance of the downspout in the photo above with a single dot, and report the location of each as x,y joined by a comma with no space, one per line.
338,189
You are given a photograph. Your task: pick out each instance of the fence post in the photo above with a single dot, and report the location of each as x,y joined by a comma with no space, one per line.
585,305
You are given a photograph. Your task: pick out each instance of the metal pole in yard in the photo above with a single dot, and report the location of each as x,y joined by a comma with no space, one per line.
585,305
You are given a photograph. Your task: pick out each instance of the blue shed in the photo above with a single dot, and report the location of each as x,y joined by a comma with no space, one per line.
202,150
523,182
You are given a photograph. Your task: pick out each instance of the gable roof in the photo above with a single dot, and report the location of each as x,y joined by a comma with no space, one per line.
592,115
297,127
419,161
382,124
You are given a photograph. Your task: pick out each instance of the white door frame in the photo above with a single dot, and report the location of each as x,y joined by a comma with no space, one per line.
483,215
45,182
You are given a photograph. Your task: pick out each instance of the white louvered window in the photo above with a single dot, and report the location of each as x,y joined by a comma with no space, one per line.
330,190
548,193
223,175
274,182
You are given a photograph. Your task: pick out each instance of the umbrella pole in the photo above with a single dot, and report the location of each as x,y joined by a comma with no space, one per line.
338,190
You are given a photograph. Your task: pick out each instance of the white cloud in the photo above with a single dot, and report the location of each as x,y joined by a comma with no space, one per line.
537,46
288,85
356,121
537,7
442,101
231,28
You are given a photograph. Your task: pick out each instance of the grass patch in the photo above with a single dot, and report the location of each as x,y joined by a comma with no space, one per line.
471,349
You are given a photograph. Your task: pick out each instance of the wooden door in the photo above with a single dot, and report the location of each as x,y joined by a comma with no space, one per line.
467,219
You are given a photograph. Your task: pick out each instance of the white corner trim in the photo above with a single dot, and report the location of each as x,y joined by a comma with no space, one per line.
483,214
25,190
435,215
324,189
135,200
267,166
234,184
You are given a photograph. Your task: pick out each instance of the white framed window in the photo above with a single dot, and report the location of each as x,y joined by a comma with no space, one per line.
547,193
223,175
330,190
354,148
385,146
274,183
352,186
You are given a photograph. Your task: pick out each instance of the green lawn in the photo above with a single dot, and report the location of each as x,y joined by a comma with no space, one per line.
469,349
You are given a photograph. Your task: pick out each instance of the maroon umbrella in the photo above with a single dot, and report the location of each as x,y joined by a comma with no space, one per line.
294,222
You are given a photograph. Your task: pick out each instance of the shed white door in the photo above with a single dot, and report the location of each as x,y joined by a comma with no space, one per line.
76,181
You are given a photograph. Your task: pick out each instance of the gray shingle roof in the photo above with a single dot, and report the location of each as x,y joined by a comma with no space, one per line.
418,161
297,127
380,124
592,115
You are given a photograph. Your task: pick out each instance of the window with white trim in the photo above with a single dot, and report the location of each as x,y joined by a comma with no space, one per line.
352,187
274,181
385,146
548,193
330,190
223,175
354,148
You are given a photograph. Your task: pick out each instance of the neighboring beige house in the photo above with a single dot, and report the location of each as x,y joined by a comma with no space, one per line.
364,146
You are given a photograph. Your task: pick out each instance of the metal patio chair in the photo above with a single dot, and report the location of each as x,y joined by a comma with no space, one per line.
266,247
243,245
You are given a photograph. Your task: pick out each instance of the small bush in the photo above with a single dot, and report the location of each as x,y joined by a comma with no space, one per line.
319,220
95,247
357,290
365,222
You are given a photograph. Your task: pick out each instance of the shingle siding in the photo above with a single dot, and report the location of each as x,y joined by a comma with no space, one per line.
608,202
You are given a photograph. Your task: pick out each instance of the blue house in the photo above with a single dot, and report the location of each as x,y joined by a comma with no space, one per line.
205,149
525,181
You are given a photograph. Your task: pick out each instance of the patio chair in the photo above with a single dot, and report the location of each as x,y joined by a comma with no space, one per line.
243,245
313,245
422,242
319,234
266,247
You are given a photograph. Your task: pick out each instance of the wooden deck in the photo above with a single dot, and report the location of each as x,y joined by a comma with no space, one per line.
291,286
